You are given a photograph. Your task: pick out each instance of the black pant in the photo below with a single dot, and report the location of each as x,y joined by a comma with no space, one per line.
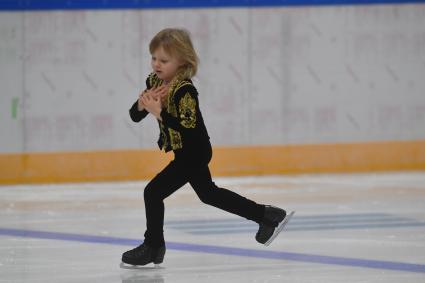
173,177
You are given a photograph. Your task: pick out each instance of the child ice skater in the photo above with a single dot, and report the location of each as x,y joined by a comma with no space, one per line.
172,98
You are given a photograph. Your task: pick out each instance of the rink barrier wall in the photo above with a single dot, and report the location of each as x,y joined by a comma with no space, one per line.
61,167
34,5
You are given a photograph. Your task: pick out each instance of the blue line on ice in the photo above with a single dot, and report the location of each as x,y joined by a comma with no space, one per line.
265,254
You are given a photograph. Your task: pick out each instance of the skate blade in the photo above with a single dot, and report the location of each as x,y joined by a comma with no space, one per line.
280,228
139,267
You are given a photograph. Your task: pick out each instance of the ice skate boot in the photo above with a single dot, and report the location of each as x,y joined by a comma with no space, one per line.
273,222
143,255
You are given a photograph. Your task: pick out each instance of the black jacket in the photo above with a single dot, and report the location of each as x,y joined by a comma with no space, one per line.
182,128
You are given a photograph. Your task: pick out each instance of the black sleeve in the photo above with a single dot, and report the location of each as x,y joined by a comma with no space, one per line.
186,101
135,114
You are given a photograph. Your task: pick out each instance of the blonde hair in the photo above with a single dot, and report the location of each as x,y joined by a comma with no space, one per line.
177,42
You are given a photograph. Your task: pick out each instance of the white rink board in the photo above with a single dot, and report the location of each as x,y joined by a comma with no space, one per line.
287,75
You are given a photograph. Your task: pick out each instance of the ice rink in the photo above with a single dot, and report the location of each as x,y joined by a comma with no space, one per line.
347,228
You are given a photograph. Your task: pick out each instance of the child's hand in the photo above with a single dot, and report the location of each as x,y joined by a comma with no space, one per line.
159,92
140,105
151,101
155,93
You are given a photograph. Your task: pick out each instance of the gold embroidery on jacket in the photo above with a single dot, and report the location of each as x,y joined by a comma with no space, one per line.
187,109
154,81
175,139
175,136
171,106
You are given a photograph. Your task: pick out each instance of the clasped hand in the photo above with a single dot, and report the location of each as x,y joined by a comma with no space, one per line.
151,100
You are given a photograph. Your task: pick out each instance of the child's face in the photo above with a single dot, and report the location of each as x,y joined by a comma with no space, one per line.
164,65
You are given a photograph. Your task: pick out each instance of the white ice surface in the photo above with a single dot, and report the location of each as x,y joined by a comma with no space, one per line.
379,217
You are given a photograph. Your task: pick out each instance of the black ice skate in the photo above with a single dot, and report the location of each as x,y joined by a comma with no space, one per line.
143,255
273,222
